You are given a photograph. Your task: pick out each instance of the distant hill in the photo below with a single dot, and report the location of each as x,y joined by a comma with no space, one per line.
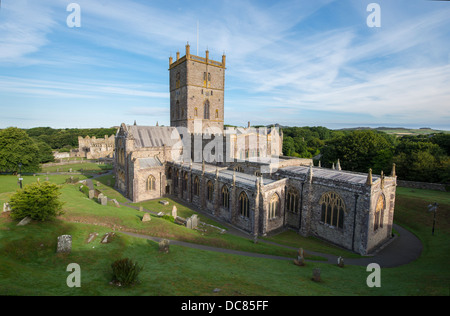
400,130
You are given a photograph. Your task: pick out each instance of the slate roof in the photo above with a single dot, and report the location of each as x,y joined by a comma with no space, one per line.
153,136
330,174
145,163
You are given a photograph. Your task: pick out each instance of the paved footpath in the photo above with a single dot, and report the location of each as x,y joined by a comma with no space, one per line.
403,249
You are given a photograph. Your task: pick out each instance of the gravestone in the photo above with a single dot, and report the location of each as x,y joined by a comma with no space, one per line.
174,211
164,246
164,202
91,237
146,217
316,275
116,203
89,184
24,221
194,219
64,244
102,199
91,194
6,207
340,262
300,261
189,223
160,214
107,238
70,170
141,208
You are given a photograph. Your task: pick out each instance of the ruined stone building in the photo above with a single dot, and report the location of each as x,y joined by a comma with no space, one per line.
239,175
95,148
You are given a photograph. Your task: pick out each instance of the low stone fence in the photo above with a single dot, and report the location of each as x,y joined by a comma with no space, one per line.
421,185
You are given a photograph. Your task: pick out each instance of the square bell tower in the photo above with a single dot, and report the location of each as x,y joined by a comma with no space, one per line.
197,86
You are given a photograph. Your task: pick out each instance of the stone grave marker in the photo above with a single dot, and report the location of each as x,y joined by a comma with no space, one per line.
6,207
146,217
91,194
189,223
108,237
316,275
164,246
64,244
91,237
24,221
174,211
194,219
164,202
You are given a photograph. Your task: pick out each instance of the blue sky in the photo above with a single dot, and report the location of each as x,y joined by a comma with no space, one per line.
296,63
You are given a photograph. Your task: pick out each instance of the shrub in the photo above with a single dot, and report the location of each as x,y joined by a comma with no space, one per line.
125,272
40,201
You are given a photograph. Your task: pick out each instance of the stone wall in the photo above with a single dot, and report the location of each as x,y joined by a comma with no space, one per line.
421,185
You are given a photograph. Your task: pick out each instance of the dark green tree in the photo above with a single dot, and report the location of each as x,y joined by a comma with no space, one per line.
17,147
360,150
40,201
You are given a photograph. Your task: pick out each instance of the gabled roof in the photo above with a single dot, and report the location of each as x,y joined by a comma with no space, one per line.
153,136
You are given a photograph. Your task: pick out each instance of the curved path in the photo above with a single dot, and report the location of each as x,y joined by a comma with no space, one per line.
403,249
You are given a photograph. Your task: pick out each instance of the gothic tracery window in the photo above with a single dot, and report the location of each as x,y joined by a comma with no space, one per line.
379,213
274,206
206,110
151,183
243,204
292,201
225,197
196,186
333,209
210,191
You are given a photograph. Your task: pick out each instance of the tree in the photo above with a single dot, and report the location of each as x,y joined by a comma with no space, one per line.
360,150
17,147
40,201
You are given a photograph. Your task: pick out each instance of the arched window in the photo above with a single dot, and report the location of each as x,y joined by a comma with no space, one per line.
274,206
169,173
292,201
195,112
210,192
196,186
217,113
333,209
243,204
175,179
151,183
184,181
177,84
206,110
379,213
225,197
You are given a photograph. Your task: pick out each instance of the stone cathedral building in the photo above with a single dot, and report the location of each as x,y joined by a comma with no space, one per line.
239,175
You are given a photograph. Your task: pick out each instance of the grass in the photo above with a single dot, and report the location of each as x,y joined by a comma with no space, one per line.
28,255
78,167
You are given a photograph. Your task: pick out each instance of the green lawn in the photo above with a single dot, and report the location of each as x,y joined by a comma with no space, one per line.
30,266
78,167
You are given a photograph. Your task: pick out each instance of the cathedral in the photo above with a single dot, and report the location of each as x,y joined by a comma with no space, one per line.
240,176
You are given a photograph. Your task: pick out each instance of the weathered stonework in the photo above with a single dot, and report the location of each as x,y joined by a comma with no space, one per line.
240,176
